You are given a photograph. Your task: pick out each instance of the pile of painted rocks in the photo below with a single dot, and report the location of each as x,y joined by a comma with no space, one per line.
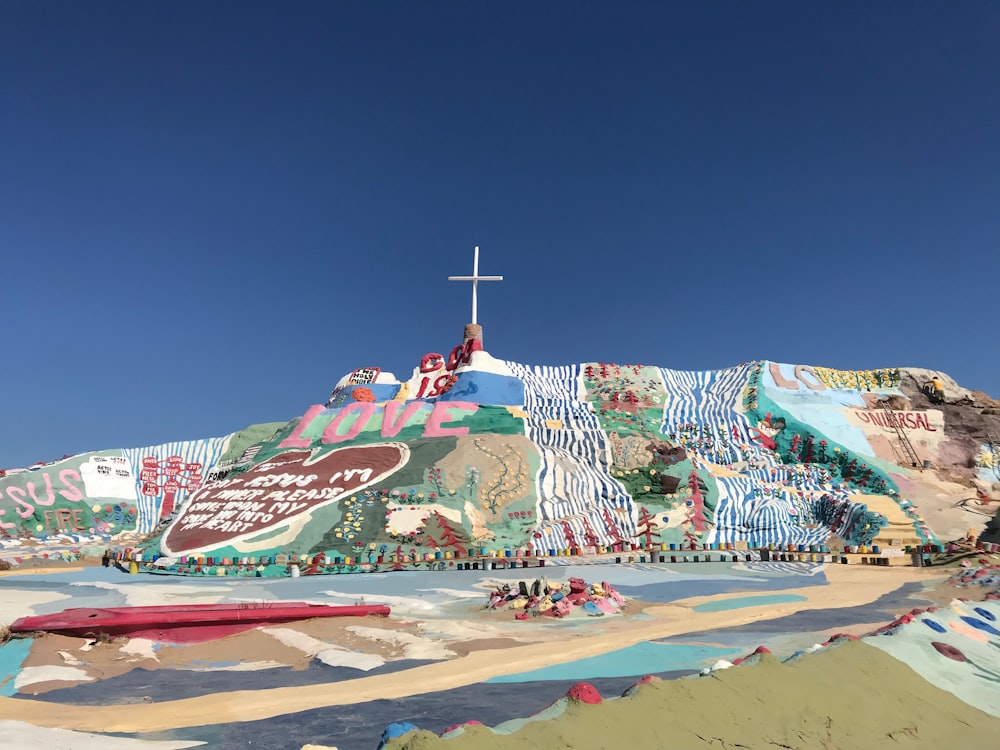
543,598
983,575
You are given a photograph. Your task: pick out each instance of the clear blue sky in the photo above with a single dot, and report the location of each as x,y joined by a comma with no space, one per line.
211,211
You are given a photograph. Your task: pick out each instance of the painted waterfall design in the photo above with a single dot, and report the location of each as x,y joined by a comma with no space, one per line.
709,401
753,512
204,452
710,397
574,484
702,411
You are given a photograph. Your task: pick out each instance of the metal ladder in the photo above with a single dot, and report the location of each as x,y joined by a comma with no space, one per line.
904,442
994,443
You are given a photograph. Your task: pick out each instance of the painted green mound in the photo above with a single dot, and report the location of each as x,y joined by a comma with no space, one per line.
849,697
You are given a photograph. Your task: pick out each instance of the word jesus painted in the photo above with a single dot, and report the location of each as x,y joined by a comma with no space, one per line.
277,491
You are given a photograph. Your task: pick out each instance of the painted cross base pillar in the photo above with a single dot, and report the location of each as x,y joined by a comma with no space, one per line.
473,331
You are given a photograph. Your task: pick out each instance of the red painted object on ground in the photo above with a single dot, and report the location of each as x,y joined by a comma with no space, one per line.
184,623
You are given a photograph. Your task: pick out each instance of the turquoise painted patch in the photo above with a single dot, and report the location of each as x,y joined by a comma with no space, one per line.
12,655
740,602
640,659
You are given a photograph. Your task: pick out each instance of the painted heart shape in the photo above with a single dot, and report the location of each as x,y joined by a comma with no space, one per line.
275,492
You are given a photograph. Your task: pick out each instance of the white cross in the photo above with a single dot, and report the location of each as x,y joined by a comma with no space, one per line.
475,279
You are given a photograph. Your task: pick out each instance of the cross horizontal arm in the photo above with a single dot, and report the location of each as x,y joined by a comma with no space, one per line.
475,279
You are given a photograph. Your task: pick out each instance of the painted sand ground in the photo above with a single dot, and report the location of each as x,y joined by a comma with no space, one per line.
439,659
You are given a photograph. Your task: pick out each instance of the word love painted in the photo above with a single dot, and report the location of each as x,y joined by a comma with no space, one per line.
392,417
274,493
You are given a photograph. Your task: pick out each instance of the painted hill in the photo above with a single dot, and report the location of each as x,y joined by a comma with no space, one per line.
474,451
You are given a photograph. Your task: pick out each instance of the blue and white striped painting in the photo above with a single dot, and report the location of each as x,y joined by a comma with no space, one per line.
574,483
764,503
205,452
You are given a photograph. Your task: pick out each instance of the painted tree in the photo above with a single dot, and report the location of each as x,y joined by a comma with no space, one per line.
794,446
570,536
612,527
695,521
646,526
590,536
400,557
447,535
628,401
809,456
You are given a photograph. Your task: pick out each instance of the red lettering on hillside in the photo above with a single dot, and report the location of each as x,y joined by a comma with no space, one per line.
911,420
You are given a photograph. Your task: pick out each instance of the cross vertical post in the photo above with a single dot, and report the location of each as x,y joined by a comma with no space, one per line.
475,279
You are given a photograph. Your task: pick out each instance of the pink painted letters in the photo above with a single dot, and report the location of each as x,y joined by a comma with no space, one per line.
389,419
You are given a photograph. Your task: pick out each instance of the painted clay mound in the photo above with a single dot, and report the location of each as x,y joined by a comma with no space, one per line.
731,708
473,454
